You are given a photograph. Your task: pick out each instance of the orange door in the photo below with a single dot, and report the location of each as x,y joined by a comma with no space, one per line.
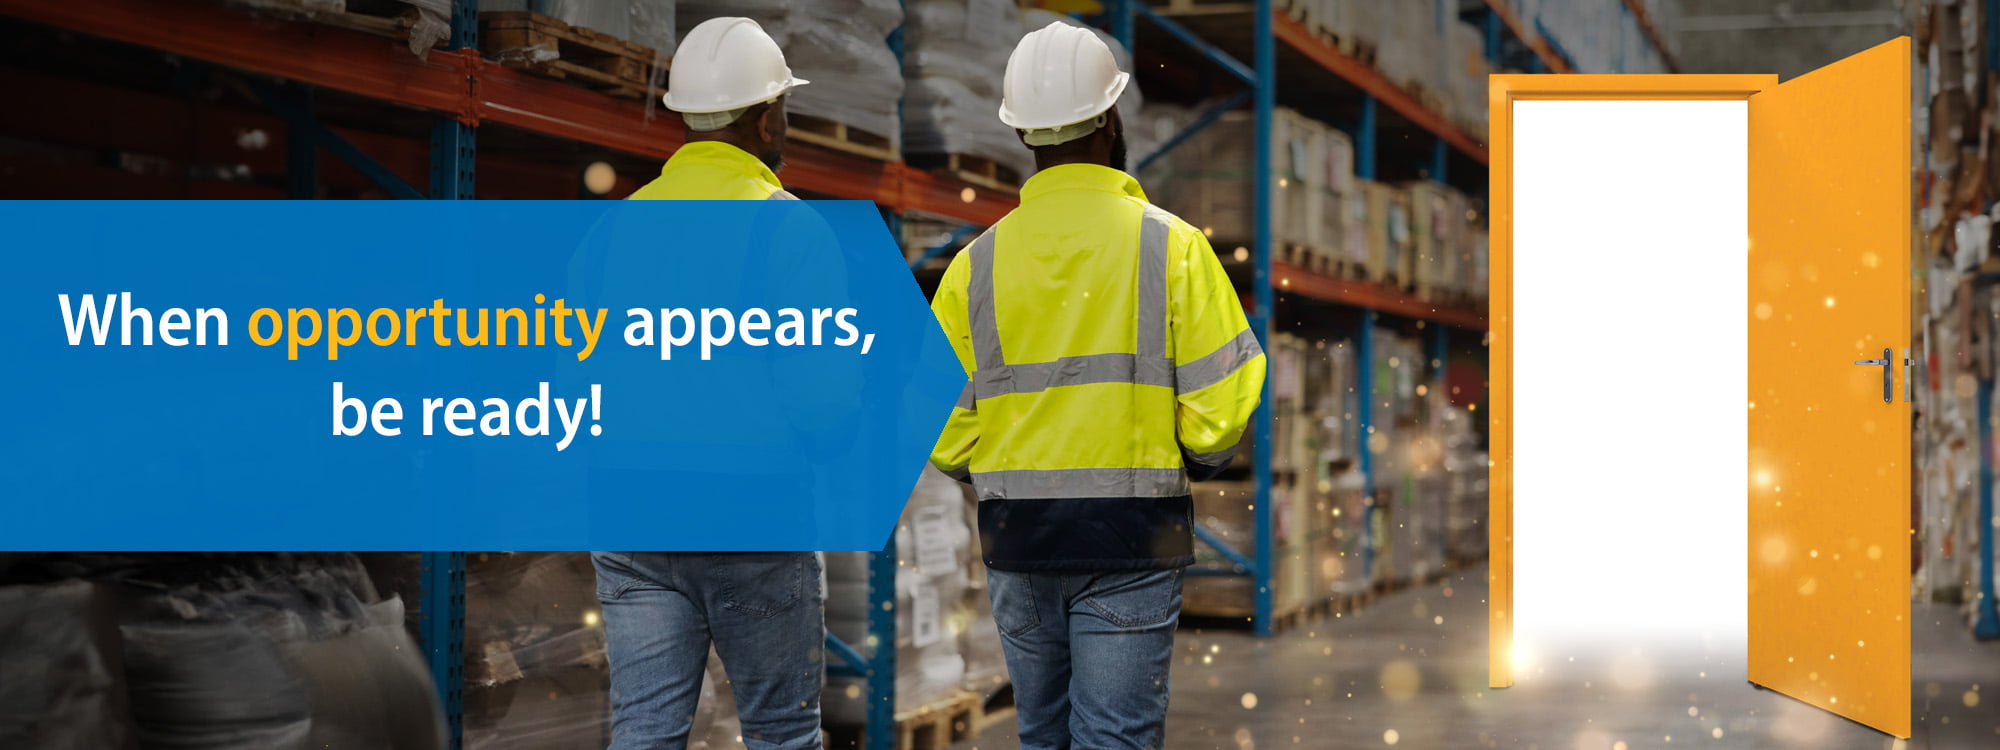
1829,441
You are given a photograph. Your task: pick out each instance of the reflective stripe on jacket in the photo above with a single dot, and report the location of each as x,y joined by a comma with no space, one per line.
709,170
1107,356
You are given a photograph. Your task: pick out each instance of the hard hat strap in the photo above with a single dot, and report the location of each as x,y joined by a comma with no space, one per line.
1065,133
704,122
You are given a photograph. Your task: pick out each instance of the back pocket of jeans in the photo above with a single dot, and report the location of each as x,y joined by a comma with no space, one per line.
1013,596
760,584
1136,599
615,575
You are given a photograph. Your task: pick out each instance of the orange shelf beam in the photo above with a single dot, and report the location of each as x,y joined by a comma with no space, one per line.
1554,62
1372,82
1291,279
460,84
1653,32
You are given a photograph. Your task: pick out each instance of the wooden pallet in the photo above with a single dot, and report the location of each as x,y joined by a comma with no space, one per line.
997,708
839,137
953,718
976,170
943,722
546,46
1349,270
1295,254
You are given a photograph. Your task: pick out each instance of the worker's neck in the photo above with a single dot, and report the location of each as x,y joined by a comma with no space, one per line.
1043,161
727,137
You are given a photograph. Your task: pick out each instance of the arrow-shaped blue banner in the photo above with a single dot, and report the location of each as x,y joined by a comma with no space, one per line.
468,375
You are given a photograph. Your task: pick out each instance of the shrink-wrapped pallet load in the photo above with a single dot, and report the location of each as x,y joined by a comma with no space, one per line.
842,47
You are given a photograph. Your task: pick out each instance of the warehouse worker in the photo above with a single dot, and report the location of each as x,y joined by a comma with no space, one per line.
1108,360
728,82
760,610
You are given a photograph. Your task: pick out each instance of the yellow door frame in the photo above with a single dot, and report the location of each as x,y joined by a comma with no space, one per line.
1502,92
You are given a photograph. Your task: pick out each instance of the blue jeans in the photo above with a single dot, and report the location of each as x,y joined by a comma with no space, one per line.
762,611
1088,653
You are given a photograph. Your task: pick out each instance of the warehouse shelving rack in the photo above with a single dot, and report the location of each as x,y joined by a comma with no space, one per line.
1987,609
1271,33
1270,29
1986,606
464,93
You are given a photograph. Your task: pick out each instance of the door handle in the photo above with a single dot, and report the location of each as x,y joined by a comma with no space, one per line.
1888,376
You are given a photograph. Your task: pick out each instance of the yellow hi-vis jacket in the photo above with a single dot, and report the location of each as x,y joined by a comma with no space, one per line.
1107,357
713,171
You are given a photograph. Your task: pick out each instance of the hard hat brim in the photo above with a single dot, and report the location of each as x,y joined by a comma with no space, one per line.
710,107
1022,123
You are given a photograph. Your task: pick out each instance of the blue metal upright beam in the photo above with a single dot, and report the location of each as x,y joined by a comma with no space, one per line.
454,145
1122,14
1440,160
442,596
879,673
1494,52
1265,66
302,129
302,154
1440,358
1364,140
441,623
1251,74
881,649
1987,624
1992,34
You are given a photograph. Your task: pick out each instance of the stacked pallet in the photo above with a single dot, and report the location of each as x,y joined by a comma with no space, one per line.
1466,501
1209,181
1316,496
1447,257
938,610
1602,36
1215,587
1385,217
842,47
954,51
1957,129
1422,46
422,24
620,48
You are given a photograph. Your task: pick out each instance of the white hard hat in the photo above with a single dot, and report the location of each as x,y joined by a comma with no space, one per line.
725,64
1059,75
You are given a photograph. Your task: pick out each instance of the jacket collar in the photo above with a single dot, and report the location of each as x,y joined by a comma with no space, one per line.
1080,177
717,153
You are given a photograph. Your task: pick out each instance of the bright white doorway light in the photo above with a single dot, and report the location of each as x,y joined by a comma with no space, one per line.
1629,335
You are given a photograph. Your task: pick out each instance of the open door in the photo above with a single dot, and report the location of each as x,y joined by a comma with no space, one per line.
1829,414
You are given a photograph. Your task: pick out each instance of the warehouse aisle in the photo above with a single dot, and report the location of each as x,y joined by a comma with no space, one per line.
1410,671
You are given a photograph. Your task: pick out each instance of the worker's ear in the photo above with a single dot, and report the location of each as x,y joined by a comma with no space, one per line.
771,121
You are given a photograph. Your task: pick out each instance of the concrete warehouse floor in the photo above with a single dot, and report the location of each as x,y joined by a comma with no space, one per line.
1410,671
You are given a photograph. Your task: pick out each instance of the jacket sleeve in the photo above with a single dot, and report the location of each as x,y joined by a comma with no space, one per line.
1218,364
953,452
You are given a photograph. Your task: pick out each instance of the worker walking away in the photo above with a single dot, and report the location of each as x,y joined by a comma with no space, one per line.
728,82
761,611
1108,360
